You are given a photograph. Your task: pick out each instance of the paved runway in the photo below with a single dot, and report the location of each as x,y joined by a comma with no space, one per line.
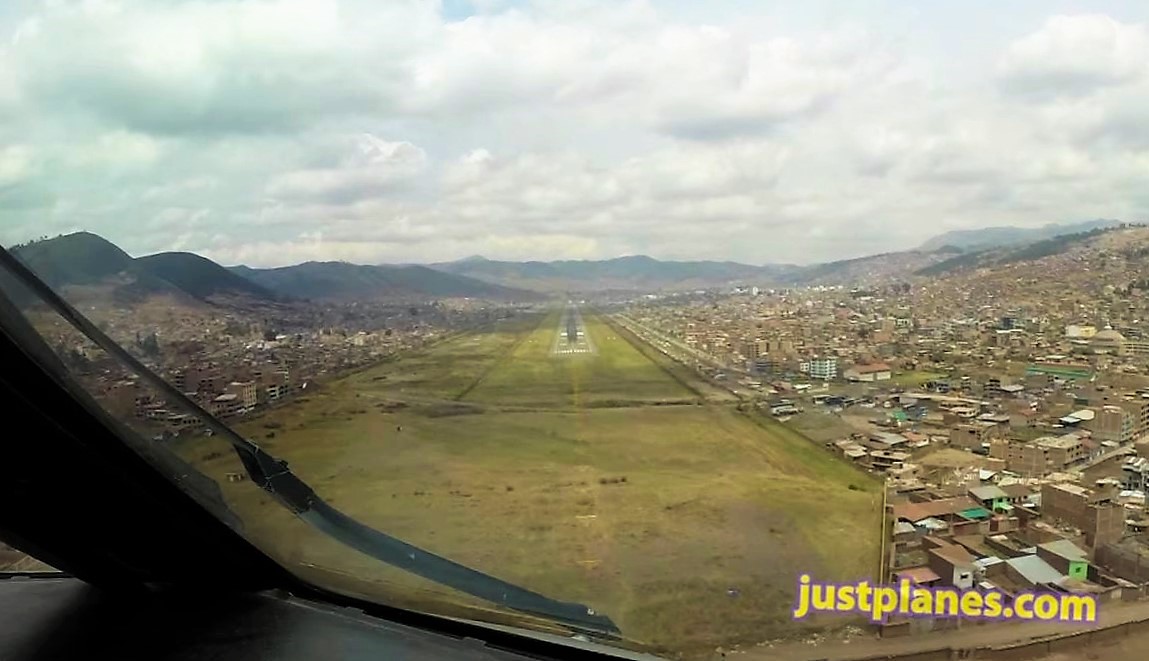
571,337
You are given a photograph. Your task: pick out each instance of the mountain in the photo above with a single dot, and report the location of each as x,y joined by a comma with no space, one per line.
95,267
200,277
86,260
343,281
89,266
633,273
80,258
1028,252
1000,237
642,273
872,269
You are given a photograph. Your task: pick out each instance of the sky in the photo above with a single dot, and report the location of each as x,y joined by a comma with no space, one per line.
272,132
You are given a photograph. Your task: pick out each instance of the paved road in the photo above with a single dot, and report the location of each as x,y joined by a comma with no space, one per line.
684,354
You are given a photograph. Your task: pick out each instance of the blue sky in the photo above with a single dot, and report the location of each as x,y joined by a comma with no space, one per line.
275,131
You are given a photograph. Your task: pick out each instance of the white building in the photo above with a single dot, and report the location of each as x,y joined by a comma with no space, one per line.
1079,332
824,368
872,372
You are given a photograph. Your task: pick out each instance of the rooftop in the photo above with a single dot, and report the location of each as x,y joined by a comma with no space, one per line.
988,492
1069,487
917,575
1017,490
1035,570
954,554
1064,548
1059,442
871,368
915,512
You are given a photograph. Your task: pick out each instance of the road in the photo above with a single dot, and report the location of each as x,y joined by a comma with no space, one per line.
688,356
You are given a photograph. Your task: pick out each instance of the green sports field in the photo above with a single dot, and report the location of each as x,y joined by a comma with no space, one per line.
612,478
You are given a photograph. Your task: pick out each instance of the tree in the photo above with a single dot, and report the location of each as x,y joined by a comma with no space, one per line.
150,345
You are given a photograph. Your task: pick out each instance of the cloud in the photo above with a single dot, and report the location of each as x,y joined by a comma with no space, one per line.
16,164
271,131
208,67
701,82
372,167
1075,55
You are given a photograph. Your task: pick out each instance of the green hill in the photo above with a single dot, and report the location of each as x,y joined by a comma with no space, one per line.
340,280
199,276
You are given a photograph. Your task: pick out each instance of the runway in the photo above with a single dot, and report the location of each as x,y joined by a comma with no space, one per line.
571,337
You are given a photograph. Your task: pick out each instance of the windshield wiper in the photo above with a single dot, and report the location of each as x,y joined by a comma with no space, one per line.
273,476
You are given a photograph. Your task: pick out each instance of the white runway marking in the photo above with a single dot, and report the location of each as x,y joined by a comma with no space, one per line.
571,337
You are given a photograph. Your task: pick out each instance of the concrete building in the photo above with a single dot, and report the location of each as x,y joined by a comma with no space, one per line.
991,497
1025,459
750,350
1138,407
1043,455
1136,404
824,368
971,437
226,406
1032,571
952,563
1135,474
1114,423
869,373
246,392
1139,347
1064,556
1077,332
1108,342
1062,451
1095,512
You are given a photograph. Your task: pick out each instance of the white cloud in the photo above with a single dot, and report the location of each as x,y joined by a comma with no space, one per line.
16,164
215,66
1073,55
273,131
371,167
698,81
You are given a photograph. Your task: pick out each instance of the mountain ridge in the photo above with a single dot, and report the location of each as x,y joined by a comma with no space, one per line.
1007,235
201,277
346,281
84,258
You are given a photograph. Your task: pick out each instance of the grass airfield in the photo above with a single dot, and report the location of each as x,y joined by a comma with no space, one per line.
613,478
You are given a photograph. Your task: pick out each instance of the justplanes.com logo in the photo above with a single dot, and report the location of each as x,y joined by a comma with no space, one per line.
907,599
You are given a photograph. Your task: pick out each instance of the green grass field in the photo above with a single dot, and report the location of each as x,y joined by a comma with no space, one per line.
603,478
616,373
